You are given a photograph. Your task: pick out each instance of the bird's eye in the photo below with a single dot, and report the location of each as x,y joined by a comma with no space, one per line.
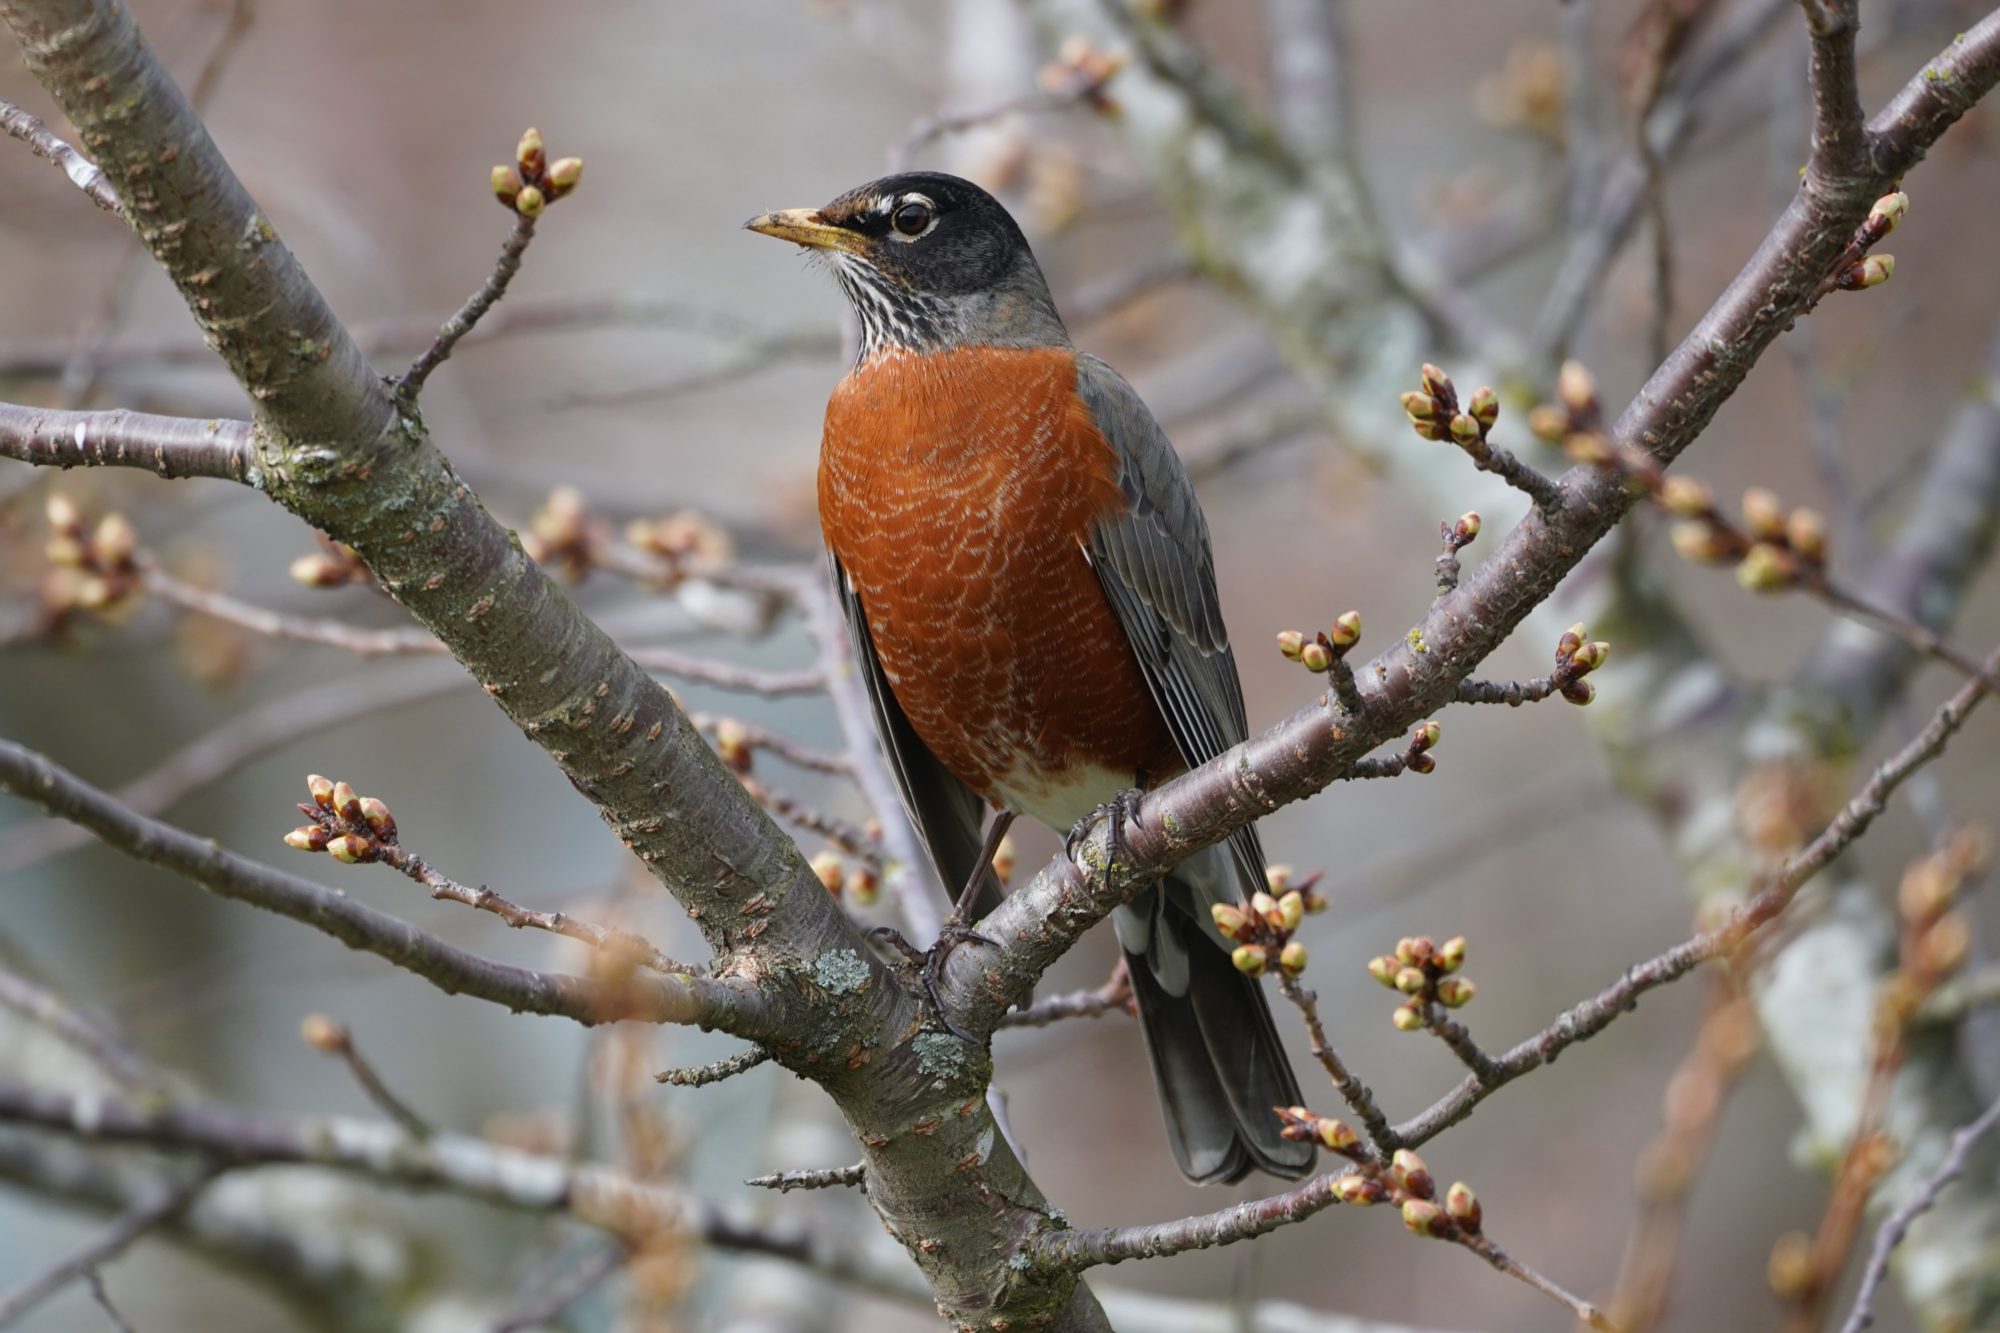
912,216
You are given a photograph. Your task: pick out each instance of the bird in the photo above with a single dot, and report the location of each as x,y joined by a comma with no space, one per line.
1029,586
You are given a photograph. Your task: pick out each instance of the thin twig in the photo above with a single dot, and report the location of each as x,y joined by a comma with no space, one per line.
1115,995
566,1291
1381,1138
833,1177
1599,1012
1898,1225
105,1246
700,1076
468,315
1514,1268
330,1037
93,1281
82,173
44,1008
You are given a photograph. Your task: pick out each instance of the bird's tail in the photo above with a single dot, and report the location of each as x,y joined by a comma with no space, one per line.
1218,1063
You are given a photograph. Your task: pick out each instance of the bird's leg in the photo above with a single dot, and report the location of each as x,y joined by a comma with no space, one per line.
1123,806
956,930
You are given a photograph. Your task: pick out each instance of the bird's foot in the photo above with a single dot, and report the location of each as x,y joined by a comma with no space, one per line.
1120,808
930,963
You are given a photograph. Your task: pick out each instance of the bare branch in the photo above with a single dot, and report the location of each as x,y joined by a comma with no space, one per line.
42,142
727,1004
1840,134
475,307
833,1177
43,1007
1358,1096
703,1075
1114,995
1600,1011
329,1037
1898,1225
168,446
107,1245
565,1292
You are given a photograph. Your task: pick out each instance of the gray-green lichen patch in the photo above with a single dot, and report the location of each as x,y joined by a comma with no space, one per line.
840,972
941,1056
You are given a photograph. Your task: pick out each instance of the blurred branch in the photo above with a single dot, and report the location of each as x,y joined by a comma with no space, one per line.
570,1288
107,1245
595,1194
46,1009
731,1005
168,446
43,143
1897,1228
329,1037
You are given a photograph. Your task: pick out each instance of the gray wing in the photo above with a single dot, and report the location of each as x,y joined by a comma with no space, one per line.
1156,568
949,816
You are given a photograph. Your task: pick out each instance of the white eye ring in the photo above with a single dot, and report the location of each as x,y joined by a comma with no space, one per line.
895,208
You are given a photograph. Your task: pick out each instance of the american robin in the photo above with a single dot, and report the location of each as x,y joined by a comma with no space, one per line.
1027,577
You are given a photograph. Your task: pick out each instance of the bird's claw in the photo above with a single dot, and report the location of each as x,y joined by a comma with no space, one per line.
1119,809
930,964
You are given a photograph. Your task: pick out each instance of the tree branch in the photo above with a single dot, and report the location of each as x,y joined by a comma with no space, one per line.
42,142
731,1005
107,1245
168,446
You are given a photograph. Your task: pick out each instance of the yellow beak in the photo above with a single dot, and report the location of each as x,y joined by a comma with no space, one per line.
806,227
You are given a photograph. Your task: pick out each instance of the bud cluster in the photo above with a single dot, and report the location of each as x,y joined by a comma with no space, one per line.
93,568
1774,549
1404,1181
1936,931
1426,972
1262,928
345,826
564,535
1435,414
533,182
1574,422
334,565
858,883
1319,653
681,538
1081,70
1577,655
1859,270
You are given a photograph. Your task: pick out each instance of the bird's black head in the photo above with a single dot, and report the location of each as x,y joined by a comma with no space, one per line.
929,261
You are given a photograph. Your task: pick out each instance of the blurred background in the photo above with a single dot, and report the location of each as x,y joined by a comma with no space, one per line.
366,130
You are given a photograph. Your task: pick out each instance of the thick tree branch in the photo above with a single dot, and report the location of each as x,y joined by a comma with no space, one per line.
168,446
732,1005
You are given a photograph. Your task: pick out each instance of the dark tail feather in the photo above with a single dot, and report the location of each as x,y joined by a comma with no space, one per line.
1217,1062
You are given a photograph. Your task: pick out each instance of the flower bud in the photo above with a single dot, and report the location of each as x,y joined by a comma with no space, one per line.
1290,642
1888,211
1763,514
1467,526
1335,1136
114,541
1463,1205
1575,389
1005,858
1250,959
732,744
529,153
308,838
323,1034
1685,497
1316,656
1766,568
1384,970
1316,902
346,804
1548,422
1264,906
1409,1171
1425,736
351,848
1291,911
1465,428
1406,1018
66,552
831,870
564,173
1590,656
1359,1190
1871,272
1425,1218
1436,383
1419,407
1484,406
321,789
95,593
1456,992
1790,1267
63,515
1587,447
1580,692
1946,944
1570,640
1410,980
863,886
529,202
1416,950
1926,891
1700,542
1292,958
1277,879
1451,954
1230,920
1346,629
506,182
378,816
1805,533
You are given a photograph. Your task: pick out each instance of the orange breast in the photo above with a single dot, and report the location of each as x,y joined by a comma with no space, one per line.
957,490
